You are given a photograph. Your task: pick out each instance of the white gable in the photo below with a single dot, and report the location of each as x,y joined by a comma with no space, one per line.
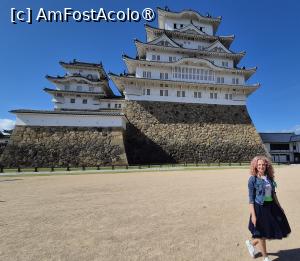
165,41
217,46
191,29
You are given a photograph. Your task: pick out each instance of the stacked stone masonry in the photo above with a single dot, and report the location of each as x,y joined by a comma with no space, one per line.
160,132
32,146
2,147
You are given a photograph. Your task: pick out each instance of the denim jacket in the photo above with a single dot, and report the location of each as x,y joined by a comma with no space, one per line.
256,189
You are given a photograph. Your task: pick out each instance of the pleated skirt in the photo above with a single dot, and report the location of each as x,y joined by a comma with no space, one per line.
271,222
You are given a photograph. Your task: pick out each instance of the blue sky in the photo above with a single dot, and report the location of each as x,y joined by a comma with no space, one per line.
267,30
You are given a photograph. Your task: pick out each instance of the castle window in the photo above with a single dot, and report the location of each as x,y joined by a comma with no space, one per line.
213,95
155,57
72,100
84,101
181,25
224,64
108,105
116,106
147,91
146,74
67,87
91,89
180,93
235,80
197,94
164,93
175,26
228,96
119,105
220,79
164,76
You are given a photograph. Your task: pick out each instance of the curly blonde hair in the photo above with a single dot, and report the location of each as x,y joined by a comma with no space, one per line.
269,168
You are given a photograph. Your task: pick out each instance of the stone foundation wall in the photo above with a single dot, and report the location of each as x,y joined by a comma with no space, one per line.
2,147
31,146
160,132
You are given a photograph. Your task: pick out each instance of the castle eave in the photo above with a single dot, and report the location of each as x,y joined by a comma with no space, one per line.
123,81
141,49
153,33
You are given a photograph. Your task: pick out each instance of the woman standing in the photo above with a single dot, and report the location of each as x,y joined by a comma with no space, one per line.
267,218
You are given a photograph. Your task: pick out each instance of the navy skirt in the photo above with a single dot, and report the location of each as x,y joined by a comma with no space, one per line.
271,222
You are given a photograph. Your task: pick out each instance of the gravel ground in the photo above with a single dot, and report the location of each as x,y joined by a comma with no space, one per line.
177,215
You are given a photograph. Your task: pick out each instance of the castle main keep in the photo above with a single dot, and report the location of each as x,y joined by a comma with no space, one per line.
183,100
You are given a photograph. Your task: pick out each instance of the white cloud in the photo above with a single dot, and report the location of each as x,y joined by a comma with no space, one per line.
6,124
295,129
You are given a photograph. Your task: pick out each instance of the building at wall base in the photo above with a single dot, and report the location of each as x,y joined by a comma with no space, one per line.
283,147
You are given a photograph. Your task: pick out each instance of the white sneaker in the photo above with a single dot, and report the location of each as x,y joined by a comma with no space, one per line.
252,250
267,259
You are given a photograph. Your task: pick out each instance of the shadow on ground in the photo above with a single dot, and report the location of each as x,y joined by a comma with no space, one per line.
287,255
9,180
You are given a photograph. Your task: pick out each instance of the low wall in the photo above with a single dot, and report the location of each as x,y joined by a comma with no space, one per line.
31,146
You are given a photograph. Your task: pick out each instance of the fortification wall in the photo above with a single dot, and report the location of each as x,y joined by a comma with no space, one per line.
159,132
31,146
2,147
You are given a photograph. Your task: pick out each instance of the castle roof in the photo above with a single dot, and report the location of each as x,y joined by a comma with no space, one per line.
122,80
187,14
131,61
81,79
84,65
153,33
280,137
53,91
141,48
70,112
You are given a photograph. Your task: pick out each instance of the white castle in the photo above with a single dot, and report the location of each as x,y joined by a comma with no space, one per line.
185,61
183,99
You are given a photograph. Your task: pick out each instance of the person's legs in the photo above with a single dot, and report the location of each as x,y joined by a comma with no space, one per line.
262,246
255,241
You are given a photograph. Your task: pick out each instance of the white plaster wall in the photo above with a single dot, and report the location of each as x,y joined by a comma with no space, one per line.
169,24
38,119
137,94
65,102
155,74
164,57
105,104
84,87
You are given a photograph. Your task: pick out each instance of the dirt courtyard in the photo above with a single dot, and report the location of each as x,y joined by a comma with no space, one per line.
175,215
